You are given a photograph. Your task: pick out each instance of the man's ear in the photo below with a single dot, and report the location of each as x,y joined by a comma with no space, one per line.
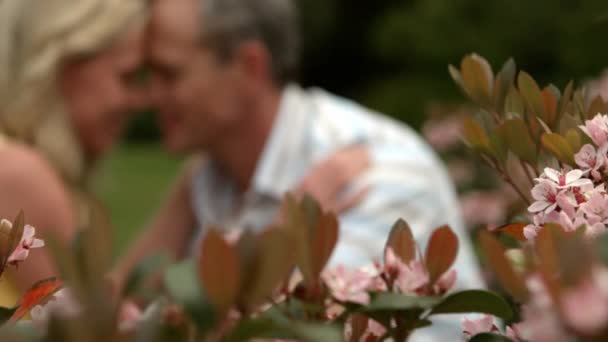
255,61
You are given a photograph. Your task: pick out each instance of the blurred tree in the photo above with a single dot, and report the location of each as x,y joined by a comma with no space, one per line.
392,55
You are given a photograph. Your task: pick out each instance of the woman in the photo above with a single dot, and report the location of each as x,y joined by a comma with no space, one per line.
67,85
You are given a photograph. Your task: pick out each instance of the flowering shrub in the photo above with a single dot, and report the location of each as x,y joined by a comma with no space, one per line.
553,264
549,146
274,285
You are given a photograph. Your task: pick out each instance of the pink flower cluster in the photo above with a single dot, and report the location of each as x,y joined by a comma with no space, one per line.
575,197
394,275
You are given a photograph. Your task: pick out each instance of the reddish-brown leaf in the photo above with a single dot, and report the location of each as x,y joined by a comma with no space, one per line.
514,230
219,270
323,242
550,104
359,324
500,266
441,252
17,231
273,264
402,241
37,294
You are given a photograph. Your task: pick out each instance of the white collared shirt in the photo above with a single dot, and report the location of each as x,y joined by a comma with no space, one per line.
407,180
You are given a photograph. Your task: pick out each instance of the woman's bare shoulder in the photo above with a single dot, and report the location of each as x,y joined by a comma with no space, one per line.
18,161
29,182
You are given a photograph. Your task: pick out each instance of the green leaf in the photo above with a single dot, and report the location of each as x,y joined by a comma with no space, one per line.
573,136
498,145
474,301
456,77
316,332
267,328
182,283
531,93
273,264
504,82
559,147
565,100
519,140
142,272
394,301
478,78
489,337
6,314
475,136
515,103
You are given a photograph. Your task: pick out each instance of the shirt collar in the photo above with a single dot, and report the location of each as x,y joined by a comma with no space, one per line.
279,166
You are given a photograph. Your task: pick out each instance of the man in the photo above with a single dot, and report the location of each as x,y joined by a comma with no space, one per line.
222,83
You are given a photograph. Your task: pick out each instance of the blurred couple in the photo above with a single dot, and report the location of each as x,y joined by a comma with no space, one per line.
221,78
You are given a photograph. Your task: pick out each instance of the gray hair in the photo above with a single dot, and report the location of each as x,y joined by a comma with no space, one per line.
228,23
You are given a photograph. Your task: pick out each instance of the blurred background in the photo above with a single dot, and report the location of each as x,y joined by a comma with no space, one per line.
391,55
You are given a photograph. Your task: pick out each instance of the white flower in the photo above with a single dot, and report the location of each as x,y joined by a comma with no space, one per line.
563,179
545,194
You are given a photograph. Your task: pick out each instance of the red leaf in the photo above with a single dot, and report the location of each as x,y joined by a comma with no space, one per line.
324,239
441,252
402,241
219,270
508,278
514,230
38,293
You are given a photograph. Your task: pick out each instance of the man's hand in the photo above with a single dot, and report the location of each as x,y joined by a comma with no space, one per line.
328,180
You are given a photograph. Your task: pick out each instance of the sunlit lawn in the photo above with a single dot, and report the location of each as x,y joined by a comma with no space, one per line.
132,184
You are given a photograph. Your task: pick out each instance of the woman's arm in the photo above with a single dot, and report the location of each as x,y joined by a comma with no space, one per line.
29,183
168,232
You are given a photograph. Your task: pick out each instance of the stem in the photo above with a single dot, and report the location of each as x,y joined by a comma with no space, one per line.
527,171
506,178
509,181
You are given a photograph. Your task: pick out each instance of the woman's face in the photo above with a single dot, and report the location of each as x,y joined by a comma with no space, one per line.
102,90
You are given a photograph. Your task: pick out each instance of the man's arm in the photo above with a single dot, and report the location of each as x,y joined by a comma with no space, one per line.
416,189
412,187
168,232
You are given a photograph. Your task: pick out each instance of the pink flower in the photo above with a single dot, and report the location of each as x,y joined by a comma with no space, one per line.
349,285
518,333
129,317
373,331
484,207
531,231
472,327
62,304
597,129
596,208
413,277
445,282
564,180
585,308
443,134
545,194
28,241
591,161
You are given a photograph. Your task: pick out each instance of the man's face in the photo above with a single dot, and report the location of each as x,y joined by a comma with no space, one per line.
198,98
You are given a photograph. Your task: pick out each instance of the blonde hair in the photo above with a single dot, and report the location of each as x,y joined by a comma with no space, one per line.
36,37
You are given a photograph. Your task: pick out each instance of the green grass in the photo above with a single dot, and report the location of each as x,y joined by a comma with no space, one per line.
132,184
